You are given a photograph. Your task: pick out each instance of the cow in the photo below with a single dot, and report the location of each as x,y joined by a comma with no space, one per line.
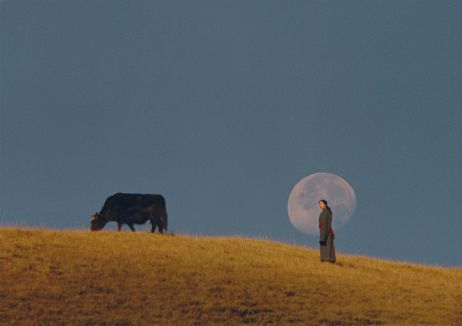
132,209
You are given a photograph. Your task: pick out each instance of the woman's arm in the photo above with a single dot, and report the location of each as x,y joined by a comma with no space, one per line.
323,227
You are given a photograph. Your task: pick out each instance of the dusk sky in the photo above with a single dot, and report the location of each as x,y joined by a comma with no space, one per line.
223,106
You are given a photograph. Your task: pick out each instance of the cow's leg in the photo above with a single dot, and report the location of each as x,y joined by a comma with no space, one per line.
161,227
131,226
153,228
119,226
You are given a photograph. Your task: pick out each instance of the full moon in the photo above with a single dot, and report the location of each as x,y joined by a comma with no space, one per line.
303,207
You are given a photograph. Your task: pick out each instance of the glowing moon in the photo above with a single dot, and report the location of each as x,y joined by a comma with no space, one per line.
303,207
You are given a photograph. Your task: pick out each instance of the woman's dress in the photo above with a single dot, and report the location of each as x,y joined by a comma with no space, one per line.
326,235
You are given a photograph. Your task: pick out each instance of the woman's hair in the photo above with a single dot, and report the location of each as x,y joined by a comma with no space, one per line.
325,203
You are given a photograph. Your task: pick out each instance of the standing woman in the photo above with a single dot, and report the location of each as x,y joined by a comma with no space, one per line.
326,234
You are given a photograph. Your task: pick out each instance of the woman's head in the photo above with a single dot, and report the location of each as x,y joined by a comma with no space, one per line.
323,204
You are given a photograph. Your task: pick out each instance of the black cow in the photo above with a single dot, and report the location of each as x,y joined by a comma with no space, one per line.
132,209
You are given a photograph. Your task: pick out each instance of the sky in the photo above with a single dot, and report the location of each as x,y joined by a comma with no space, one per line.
223,106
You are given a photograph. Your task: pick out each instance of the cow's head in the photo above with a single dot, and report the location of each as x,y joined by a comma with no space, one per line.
97,223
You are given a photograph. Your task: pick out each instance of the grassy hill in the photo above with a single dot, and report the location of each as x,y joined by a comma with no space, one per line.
107,278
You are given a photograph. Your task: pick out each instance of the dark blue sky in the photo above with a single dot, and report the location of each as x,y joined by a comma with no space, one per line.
222,106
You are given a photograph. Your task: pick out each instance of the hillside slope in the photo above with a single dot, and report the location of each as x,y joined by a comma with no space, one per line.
107,278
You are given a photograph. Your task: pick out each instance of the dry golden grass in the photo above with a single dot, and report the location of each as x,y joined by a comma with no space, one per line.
107,278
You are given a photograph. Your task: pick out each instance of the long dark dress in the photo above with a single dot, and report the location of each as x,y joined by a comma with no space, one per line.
326,234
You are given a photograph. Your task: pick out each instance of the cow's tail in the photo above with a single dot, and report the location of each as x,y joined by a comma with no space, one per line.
165,217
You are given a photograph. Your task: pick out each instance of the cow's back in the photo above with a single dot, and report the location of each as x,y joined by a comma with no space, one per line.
121,203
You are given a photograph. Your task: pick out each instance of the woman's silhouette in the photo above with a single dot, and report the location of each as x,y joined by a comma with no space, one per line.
326,234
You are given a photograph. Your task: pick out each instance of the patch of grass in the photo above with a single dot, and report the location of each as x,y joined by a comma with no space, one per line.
123,278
